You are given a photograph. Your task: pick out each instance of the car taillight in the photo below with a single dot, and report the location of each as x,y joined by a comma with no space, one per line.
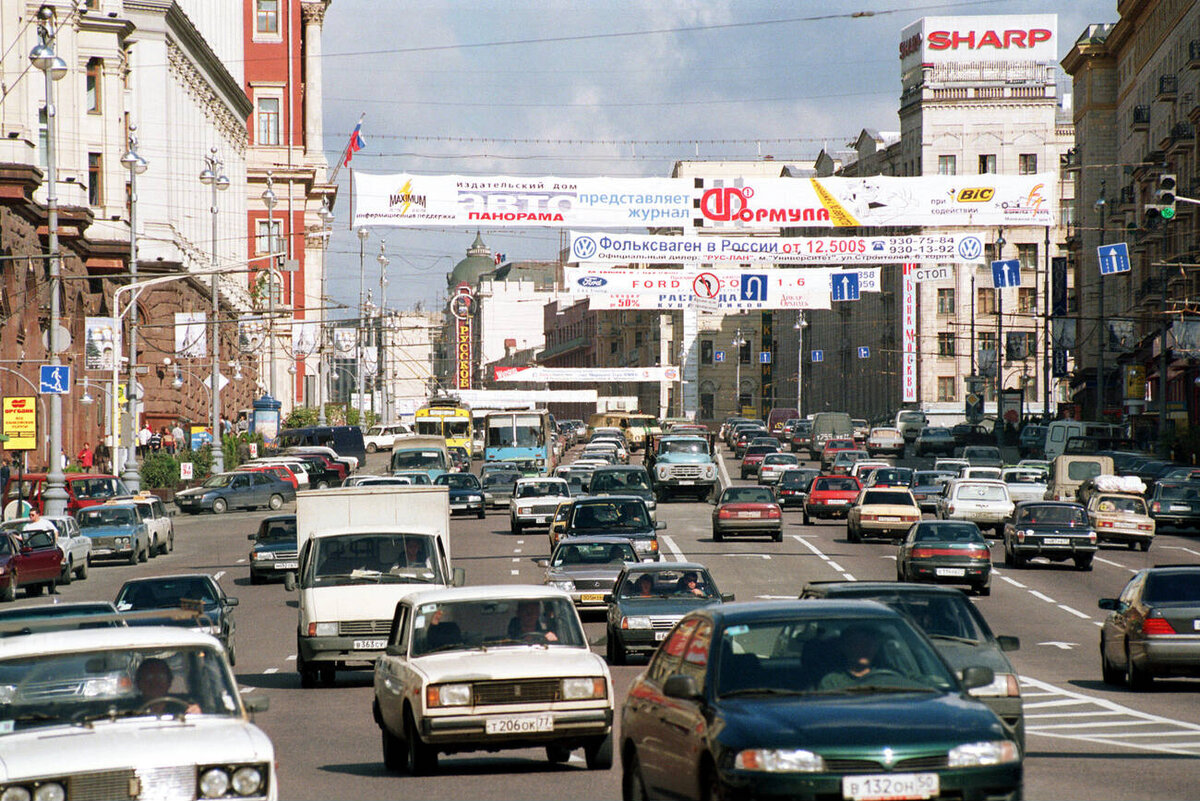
950,509
1156,507
1104,524
1153,626
922,553
723,514
978,553
865,516
1144,527
774,512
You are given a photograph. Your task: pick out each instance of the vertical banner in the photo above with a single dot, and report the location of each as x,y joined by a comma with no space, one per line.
305,337
909,334
190,339
767,367
1058,310
102,343
345,341
462,353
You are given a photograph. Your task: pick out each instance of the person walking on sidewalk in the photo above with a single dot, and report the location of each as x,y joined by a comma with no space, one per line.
85,457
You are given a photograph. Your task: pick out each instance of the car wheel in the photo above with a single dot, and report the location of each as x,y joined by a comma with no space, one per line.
231,654
395,757
1108,671
81,572
778,537
255,578
633,785
853,534
308,674
599,753
153,550
422,760
133,556
171,539
67,572
326,675
1083,562
276,502
322,484
289,581
899,571
33,590
372,449
10,590
481,514
805,519
1135,677
1144,545
219,506
718,536
144,554
616,651
711,788
984,589
514,526
558,754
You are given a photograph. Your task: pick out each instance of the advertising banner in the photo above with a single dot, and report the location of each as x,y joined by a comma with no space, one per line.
252,333
807,288
403,199
979,41
20,423
909,333
345,341
585,375
462,353
199,436
620,249
102,343
305,337
190,339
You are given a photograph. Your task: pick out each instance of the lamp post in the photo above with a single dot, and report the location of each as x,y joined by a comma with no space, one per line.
136,166
322,374
998,425
363,233
269,200
1102,334
382,372
801,324
53,68
738,343
212,176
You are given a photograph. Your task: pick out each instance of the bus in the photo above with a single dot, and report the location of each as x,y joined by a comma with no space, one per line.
524,437
445,417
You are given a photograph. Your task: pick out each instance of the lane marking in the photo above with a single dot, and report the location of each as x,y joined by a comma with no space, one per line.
1042,596
245,690
1111,563
516,559
520,542
1074,612
1181,548
516,550
672,547
516,572
1012,581
241,561
290,658
827,560
271,670
218,574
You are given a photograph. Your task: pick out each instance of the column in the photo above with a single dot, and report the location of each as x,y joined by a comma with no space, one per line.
313,15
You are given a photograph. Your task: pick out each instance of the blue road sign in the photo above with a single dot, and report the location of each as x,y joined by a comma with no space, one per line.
1006,273
54,379
1114,258
718,356
764,357
844,286
818,355
864,352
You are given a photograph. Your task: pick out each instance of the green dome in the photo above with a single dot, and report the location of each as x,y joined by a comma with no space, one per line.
478,261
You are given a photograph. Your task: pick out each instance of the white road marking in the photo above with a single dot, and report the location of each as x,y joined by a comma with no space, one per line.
1073,611
751,555
245,690
776,597
827,560
516,559
1013,582
241,561
672,547
290,658
1063,646
218,574
1181,548
516,550
520,542
1114,564
516,572
271,670
1042,596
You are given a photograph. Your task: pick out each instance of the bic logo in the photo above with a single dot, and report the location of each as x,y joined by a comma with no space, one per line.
725,203
754,287
970,248
976,195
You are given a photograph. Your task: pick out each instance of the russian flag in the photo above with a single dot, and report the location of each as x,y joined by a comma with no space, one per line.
356,143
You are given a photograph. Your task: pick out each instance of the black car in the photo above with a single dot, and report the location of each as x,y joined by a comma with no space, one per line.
801,438
927,486
762,700
793,485
623,479
1175,503
983,456
59,617
972,434
946,552
197,591
959,633
466,493
274,554
1150,631
647,600
1056,530
933,441
616,515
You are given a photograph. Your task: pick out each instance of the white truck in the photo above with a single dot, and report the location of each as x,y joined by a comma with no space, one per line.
362,549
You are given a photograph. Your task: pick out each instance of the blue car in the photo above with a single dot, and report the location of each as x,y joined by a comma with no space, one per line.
236,490
117,531
466,493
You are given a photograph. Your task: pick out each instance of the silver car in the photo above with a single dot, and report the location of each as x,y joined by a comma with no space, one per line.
586,568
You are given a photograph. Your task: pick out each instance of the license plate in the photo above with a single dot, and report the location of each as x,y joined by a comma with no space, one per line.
287,565
659,636
889,520
890,787
592,597
1056,541
369,645
541,521
519,725
1180,508
749,514
837,502
686,483
949,571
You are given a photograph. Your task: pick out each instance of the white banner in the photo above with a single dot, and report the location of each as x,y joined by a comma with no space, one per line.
403,199
618,249
586,375
305,336
345,341
805,288
252,333
102,343
909,333
191,341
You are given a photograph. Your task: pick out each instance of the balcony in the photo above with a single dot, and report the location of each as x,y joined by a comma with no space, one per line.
1149,292
1127,197
1193,61
1168,87
1141,118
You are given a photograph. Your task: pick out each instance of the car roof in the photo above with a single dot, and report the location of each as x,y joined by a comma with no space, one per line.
1072,504
72,641
57,610
750,611
486,592
594,539
658,567
861,588
541,480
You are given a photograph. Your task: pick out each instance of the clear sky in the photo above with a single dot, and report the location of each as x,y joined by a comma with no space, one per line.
602,88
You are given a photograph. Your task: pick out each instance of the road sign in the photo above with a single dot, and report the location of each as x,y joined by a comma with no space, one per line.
818,355
974,407
864,352
1114,258
54,379
718,356
844,286
937,272
764,357
1006,273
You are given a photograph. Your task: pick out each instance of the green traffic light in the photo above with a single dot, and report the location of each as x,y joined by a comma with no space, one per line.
1167,212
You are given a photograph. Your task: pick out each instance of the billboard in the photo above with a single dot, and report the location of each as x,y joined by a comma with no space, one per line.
993,39
462,352
20,423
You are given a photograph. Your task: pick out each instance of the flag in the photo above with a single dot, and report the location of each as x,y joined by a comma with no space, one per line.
356,143
500,257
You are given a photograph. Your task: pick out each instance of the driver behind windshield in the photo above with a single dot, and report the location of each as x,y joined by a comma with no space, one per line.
153,681
529,624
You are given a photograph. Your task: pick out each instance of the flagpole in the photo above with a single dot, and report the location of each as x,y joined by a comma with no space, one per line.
337,168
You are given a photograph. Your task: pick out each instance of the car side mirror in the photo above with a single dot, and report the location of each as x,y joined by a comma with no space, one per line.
543,563
1109,604
256,703
231,601
727,596
252,537
660,525
608,598
394,650
458,577
973,677
1008,643
681,686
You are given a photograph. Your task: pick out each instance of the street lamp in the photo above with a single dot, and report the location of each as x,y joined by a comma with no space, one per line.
738,343
1102,334
53,68
382,372
212,176
801,324
322,374
998,425
363,233
269,200
136,166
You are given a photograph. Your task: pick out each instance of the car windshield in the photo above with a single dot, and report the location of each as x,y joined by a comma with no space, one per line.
418,460
683,446
689,583
748,495
373,558
926,478
278,530
1121,504
97,488
941,616
1082,471
1053,515
911,417
73,689
543,489
593,553
609,515
836,485
617,481
1025,477
814,655
495,623
165,593
900,476
95,517
218,481
873,497
981,492
780,458
947,531
465,481
501,479
1172,587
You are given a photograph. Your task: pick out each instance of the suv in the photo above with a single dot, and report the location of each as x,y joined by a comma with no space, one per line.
683,464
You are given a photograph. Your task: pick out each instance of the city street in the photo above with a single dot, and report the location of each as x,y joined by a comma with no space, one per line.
1085,739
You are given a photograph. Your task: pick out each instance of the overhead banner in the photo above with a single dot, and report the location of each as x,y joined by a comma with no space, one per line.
305,337
807,288
190,342
102,343
585,375
617,248
252,333
403,199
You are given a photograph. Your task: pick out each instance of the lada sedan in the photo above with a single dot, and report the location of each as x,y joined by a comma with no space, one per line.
830,496
586,568
747,510
946,552
984,502
533,502
1056,530
881,513
1122,519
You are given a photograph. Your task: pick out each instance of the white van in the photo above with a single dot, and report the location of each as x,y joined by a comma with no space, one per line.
1059,433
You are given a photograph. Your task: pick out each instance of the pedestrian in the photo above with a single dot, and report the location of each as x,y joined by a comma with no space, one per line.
144,439
103,457
5,472
243,425
177,433
226,427
85,457
155,441
62,458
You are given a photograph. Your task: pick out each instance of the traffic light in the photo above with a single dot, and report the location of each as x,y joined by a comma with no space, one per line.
1164,198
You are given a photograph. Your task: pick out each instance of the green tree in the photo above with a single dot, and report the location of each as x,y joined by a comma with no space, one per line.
160,470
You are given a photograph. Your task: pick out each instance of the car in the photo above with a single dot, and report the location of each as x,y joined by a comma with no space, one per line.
1035,464
466,493
946,552
683,464
558,524
586,568
59,617
117,531
747,510
616,515
927,486
613,442
934,440
274,553
773,465
1150,629
460,459
76,548
162,717
280,471
533,502
830,497
498,467
1056,530
1032,440
801,438
293,467
490,668
171,592
648,600
29,560
883,440
881,513
158,522
498,488
323,470
754,456
832,447
413,477
952,465
973,434
793,484
1121,518
757,701
1024,484
990,473
958,631
861,429
983,456
623,480
235,490
862,467
745,436
576,475
888,476
843,463
1175,503
83,490
380,437
984,502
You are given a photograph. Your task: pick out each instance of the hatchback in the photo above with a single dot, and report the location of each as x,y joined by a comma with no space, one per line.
747,510
830,496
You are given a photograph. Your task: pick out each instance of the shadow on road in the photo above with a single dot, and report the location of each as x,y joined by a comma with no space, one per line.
480,766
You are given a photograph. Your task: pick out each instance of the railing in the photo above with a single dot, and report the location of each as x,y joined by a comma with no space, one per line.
1168,87
1141,116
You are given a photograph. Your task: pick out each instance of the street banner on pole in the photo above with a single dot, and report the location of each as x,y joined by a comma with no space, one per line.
101,343
909,332
191,341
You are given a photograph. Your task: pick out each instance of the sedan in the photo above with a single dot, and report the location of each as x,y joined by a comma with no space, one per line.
162,593
648,600
235,490
792,488
890,477
1024,484
466,493
946,552
844,461
881,513
1150,631
747,510
832,447
275,552
983,456
773,466
761,700
885,441
586,568
1056,530
935,440
498,487
830,496
534,502
1175,504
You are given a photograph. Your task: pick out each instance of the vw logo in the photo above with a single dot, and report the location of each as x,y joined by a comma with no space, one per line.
584,248
592,281
970,248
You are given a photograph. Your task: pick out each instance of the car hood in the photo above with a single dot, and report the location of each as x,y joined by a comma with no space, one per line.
197,492
644,494
110,531
583,572
631,607
367,601
511,662
138,742
463,493
961,655
274,546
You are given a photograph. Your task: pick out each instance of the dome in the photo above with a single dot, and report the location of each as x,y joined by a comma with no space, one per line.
478,261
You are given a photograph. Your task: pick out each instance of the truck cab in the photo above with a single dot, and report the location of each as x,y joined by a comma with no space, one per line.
683,465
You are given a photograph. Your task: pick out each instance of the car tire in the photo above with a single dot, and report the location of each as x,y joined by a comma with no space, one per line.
598,754
711,788
1083,563
308,674
255,578
778,536
984,589
133,556
152,551
67,572
81,572
276,502
481,514
514,526
144,554
1144,545
322,484
422,760
395,757
557,754
9,593
1135,677
718,536
371,448
219,506
1108,671
289,581
633,784
326,674
231,654
615,651
899,571
853,534
805,519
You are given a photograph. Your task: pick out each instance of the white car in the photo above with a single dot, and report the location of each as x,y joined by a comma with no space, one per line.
142,712
534,501
863,465
984,502
380,438
158,523
491,668
1025,484
773,466
953,465
992,473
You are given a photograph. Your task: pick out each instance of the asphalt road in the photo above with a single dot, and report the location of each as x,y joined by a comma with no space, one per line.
1085,739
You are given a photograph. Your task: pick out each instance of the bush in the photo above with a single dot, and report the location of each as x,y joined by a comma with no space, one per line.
160,470
300,417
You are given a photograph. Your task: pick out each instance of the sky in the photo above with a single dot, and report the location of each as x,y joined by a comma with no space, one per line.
601,88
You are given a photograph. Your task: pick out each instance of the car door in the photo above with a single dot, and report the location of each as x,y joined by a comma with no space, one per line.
41,559
647,711
684,724
393,673
1124,621
239,493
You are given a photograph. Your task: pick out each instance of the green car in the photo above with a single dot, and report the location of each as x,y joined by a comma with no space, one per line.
648,599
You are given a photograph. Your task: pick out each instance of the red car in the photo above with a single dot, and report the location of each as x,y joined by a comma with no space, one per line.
830,497
747,510
277,470
83,490
830,450
32,563
753,457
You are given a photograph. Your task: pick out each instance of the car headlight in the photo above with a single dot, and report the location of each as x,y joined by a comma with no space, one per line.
214,783
50,791
474,498
565,586
635,622
15,794
247,780
524,510
448,695
990,752
662,471
779,760
323,629
262,555
213,630
1004,685
581,689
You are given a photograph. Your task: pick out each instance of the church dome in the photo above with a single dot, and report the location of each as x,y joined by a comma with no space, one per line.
478,261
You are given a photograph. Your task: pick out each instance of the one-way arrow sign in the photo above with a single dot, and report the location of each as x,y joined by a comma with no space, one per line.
1114,258
1006,273
844,286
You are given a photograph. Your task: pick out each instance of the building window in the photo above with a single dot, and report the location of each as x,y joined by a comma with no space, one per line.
947,165
612,346
95,174
707,405
268,237
268,121
706,351
745,354
1027,300
985,353
985,301
637,339
945,342
1019,346
987,163
94,75
945,301
1027,163
266,16
1027,255
947,389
